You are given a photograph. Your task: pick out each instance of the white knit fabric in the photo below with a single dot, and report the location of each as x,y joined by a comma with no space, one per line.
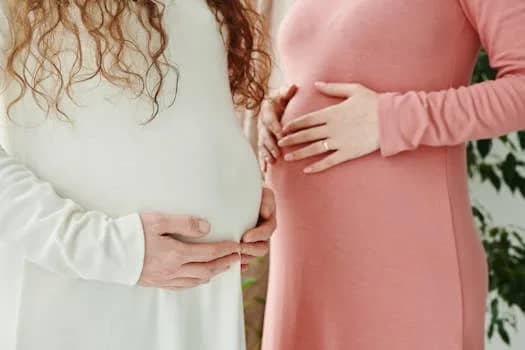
71,242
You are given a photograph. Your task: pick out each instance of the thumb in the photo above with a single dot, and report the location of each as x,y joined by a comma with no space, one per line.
337,89
288,93
267,204
184,225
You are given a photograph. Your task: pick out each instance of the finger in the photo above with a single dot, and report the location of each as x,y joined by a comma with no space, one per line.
266,155
263,161
255,249
204,252
304,136
247,259
306,121
183,283
326,163
207,270
311,150
261,233
194,270
284,94
270,158
269,141
184,225
267,209
290,93
245,268
270,120
338,90
287,93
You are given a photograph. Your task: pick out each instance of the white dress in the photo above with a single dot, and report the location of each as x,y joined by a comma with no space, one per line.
71,241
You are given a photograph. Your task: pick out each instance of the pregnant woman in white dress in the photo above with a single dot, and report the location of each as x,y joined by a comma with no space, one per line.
118,133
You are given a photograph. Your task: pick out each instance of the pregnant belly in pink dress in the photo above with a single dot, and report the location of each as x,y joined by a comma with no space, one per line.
374,249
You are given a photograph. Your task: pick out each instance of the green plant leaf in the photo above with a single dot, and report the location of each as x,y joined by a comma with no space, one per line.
484,147
510,174
521,138
503,333
494,179
505,247
248,283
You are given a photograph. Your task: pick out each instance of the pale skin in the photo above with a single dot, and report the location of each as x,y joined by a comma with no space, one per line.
172,264
270,128
341,132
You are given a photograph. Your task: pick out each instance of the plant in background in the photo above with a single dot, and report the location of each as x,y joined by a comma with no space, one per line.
505,246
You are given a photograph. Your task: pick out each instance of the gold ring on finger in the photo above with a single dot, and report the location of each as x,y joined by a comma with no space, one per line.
326,145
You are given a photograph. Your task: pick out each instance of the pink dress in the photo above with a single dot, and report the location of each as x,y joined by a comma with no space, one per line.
381,253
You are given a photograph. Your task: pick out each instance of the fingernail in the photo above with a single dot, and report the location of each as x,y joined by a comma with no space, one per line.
281,142
204,226
288,157
308,170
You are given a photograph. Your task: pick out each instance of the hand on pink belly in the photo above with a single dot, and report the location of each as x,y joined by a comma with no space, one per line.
344,131
270,128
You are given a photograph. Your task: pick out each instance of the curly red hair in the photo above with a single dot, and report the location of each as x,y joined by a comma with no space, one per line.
33,59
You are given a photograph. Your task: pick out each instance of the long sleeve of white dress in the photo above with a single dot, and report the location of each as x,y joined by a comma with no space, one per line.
61,236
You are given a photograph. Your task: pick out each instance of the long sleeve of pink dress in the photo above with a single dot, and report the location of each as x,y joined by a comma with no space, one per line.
456,115
382,252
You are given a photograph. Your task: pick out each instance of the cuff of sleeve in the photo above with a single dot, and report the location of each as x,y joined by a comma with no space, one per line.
132,234
390,137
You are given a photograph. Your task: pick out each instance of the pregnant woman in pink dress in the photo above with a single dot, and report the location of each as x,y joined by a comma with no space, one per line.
376,247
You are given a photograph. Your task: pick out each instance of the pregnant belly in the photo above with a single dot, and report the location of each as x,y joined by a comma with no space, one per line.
307,100
362,192
216,178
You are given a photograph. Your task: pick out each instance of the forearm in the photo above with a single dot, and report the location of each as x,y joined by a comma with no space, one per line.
484,110
451,117
59,235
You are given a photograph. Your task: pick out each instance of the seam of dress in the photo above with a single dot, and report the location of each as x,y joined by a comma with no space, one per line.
449,197
456,248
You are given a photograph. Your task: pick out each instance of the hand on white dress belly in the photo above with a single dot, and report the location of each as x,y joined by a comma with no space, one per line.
173,264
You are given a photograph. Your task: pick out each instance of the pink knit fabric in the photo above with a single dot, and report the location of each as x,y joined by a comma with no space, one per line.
381,252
